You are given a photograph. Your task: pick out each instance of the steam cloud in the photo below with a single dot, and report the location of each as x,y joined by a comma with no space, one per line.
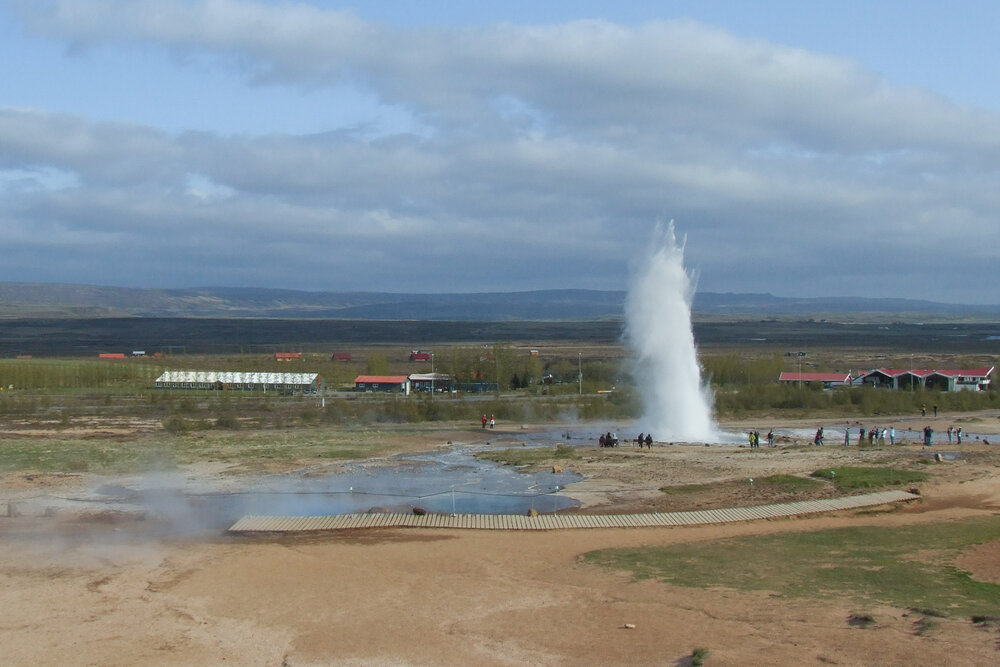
677,405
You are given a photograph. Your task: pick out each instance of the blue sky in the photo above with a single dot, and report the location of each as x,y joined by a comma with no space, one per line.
803,148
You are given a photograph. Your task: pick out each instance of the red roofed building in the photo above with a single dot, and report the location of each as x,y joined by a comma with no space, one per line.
417,355
111,355
341,356
288,356
827,379
389,383
962,379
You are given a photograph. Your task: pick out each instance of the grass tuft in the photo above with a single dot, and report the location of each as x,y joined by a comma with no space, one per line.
860,620
526,456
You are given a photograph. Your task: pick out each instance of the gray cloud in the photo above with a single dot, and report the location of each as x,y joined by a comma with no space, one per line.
537,156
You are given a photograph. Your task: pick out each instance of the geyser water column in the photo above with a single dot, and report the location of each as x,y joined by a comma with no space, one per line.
677,405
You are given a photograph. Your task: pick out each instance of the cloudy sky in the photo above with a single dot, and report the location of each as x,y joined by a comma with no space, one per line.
803,148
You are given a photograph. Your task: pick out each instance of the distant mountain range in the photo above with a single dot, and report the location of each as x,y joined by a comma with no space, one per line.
33,300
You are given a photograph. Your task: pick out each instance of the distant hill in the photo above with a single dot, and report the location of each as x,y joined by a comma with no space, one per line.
32,300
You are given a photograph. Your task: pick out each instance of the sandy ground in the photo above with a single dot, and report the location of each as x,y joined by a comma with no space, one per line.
106,589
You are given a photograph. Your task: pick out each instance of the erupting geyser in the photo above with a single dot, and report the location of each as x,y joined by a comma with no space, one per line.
677,405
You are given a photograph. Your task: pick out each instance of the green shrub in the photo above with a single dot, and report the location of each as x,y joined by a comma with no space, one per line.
177,425
227,421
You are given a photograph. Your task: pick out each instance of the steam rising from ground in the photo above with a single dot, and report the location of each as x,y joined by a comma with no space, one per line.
677,405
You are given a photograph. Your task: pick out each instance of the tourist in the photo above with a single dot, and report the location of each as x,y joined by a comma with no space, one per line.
649,441
484,421
770,438
958,435
493,421
892,435
950,430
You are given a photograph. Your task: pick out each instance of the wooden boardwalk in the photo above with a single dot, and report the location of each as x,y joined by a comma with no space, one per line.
289,524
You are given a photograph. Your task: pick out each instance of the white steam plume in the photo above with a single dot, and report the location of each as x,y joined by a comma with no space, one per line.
677,405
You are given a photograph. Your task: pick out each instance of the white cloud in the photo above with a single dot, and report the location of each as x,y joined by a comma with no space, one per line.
551,147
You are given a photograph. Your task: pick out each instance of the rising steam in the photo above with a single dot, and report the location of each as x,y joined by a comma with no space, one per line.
677,405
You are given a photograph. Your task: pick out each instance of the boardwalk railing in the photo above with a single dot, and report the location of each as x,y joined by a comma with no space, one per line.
282,524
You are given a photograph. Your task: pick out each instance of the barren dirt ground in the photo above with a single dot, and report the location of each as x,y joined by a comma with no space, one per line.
92,588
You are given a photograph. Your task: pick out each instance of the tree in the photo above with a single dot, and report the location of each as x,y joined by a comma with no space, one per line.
376,364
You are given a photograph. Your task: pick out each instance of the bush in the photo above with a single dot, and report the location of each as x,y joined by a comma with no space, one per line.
177,425
227,421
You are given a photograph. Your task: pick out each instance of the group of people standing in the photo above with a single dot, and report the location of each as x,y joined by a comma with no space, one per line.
610,439
492,421
876,434
755,439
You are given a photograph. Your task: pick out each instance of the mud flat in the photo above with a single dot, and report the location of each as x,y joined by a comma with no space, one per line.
109,588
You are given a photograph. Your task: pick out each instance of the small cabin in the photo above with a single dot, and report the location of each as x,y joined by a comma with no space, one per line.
387,383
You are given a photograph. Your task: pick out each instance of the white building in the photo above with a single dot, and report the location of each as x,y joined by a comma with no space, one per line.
288,383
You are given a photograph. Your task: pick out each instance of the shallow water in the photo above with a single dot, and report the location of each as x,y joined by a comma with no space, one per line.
450,480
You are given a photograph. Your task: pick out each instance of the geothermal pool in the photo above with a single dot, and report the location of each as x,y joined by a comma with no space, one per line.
450,480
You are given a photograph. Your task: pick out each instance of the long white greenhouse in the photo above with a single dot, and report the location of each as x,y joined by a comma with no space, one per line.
308,383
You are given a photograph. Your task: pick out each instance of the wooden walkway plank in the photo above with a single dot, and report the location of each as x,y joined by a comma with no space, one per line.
258,523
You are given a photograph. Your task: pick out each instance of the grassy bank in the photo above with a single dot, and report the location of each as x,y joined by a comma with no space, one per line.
863,565
250,449
524,456
849,478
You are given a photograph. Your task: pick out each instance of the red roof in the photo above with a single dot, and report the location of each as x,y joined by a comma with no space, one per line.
967,372
380,379
814,377
923,372
111,355
287,355
891,372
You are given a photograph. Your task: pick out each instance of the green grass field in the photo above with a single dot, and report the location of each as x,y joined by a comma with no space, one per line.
906,567
249,448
